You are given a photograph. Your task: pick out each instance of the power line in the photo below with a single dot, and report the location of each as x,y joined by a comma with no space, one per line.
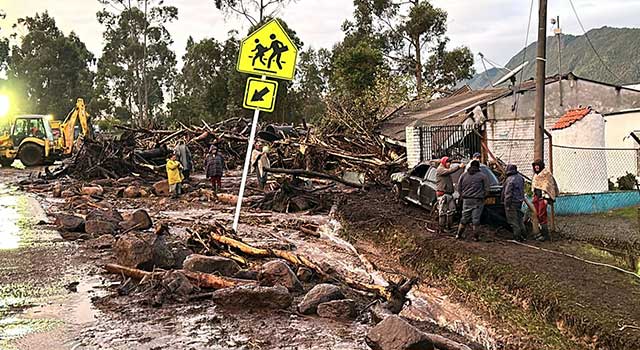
591,44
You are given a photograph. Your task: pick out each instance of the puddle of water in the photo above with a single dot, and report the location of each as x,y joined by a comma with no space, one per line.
9,230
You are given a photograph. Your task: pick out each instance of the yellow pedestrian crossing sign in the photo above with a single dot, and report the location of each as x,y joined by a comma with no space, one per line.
268,51
260,94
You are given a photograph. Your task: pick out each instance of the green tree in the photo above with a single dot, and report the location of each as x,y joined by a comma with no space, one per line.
415,27
445,69
137,66
48,70
208,84
311,84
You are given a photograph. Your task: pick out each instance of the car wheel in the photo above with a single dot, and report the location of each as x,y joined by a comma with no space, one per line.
31,154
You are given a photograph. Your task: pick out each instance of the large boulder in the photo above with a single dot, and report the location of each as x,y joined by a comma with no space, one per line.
277,272
99,227
319,294
69,223
138,220
394,333
176,283
161,188
211,264
338,309
132,250
304,274
277,297
162,255
110,215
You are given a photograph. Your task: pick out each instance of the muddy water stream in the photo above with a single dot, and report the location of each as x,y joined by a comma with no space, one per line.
36,310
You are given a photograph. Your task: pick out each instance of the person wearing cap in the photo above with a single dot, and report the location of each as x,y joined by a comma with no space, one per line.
512,198
214,168
444,191
477,156
473,187
174,175
545,191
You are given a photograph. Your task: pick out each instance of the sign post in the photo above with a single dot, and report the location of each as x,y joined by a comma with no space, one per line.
268,52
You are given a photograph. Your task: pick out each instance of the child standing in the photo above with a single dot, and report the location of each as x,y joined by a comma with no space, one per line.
214,167
174,175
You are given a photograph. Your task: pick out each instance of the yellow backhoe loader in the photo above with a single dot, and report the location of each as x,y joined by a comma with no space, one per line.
34,141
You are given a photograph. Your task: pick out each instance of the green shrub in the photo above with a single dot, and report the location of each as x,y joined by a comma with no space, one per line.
627,182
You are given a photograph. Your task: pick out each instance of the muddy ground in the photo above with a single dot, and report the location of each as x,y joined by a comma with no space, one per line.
488,295
546,300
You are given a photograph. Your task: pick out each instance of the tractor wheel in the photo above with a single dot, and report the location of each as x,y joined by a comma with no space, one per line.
31,154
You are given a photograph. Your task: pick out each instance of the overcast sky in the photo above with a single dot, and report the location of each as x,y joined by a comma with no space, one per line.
496,28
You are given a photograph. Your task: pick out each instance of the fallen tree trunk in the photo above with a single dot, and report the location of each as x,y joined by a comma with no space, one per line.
299,260
311,174
204,280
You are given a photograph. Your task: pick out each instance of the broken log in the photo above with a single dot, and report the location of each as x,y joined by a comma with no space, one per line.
311,174
204,280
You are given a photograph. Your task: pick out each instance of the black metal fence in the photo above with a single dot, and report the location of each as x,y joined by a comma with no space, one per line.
454,141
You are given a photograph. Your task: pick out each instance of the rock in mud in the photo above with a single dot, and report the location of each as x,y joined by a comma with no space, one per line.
92,190
277,272
211,264
338,309
69,223
180,254
100,227
247,275
161,188
319,294
304,274
57,190
132,250
177,283
277,297
110,215
131,192
103,242
162,254
139,219
394,333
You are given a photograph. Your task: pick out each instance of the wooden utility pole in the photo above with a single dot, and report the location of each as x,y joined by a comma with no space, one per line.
541,58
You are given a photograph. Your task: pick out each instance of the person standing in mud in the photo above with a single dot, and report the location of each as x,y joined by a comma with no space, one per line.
545,191
174,175
260,50
512,198
444,192
214,168
277,48
473,187
184,157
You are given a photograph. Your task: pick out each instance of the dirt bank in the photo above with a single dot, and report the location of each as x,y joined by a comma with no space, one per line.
544,300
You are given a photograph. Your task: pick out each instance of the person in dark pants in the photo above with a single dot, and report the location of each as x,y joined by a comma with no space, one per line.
473,187
512,198
184,157
214,167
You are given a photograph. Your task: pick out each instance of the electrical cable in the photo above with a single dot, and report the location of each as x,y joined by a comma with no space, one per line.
591,44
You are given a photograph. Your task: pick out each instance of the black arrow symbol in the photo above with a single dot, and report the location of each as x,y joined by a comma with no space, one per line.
259,95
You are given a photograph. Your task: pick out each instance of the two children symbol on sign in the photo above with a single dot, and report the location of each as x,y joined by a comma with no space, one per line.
276,47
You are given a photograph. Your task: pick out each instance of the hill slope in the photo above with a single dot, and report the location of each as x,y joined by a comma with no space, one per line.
618,47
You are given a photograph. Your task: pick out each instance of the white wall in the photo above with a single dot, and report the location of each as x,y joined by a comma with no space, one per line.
580,170
617,130
412,137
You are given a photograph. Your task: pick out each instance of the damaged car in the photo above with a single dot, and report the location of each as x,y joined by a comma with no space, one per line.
418,186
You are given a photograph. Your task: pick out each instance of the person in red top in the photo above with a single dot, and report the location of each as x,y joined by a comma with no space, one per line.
545,191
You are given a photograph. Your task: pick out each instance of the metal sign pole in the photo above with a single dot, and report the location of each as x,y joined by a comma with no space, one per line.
247,161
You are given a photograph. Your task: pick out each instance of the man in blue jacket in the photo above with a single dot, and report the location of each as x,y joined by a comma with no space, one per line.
512,198
473,187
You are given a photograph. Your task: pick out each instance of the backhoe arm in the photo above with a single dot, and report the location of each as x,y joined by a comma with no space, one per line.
69,124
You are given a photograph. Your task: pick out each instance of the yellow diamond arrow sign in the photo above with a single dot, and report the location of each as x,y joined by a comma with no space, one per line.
260,94
268,51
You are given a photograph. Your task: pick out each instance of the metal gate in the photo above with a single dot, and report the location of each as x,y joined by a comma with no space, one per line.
455,141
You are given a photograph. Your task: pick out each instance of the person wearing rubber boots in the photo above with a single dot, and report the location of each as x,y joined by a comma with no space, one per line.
444,192
473,187
512,198
545,191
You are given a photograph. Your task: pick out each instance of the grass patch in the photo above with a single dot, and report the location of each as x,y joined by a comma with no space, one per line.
630,213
